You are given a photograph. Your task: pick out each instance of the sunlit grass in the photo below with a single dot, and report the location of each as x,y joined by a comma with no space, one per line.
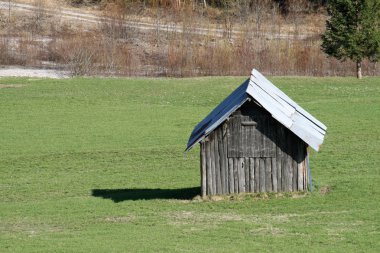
97,165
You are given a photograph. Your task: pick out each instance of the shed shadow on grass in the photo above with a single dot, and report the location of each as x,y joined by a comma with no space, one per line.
119,195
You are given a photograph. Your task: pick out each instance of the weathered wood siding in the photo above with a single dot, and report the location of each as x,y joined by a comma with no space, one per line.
252,152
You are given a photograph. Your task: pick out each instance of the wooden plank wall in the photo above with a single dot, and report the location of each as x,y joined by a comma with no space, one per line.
221,174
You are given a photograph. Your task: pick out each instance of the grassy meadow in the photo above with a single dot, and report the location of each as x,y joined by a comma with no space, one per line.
98,165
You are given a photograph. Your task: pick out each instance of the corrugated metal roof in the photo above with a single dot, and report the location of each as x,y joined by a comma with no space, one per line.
277,103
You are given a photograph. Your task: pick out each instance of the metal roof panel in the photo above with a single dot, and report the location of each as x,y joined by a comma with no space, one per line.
219,114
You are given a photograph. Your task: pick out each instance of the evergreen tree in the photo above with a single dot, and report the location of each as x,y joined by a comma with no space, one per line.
353,31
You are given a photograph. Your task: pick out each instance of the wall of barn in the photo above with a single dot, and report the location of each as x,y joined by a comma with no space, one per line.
252,152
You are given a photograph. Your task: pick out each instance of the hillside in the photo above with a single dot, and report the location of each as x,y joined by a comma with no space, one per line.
190,39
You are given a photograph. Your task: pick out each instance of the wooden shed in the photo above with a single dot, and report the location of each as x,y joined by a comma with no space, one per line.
256,141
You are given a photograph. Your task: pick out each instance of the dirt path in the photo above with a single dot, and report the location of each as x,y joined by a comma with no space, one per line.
91,19
29,72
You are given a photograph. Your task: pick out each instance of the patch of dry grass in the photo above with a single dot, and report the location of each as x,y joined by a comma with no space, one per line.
7,86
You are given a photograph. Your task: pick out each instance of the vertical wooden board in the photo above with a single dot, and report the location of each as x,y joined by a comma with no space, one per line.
241,175
211,158
300,176
296,158
238,171
243,154
232,174
257,175
238,137
201,167
268,174
208,167
212,151
236,175
288,170
306,174
274,174
305,177
307,170
246,174
251,175
219,163
263,127
255,147
283,172
278,166
218,187
218,132
250,143
262,175
231,180
295,175
285,165
279,158
230,143
243,138
279,172
261,140
289,176
203,170
300,159
294,150
225,157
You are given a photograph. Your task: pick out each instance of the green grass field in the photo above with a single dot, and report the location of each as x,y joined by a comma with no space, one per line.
97,165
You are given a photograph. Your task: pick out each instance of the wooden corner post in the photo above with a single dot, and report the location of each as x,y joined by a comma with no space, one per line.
203,169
